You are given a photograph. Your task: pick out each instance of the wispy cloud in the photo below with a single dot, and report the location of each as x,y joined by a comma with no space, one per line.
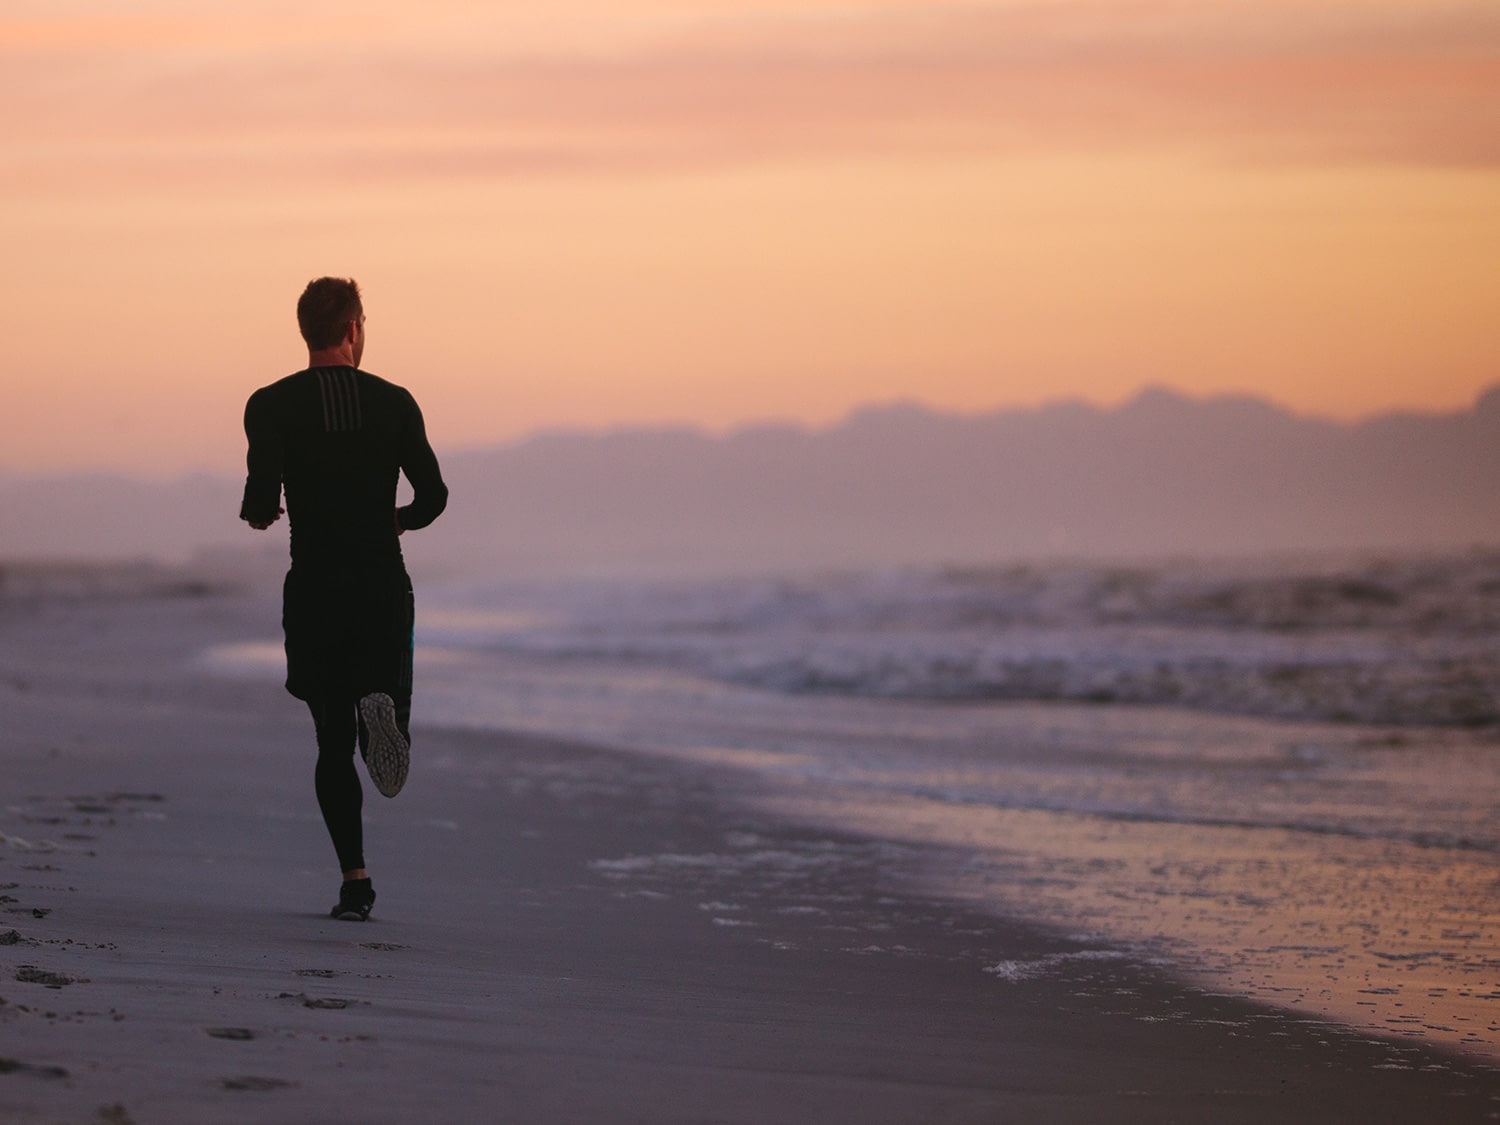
162,101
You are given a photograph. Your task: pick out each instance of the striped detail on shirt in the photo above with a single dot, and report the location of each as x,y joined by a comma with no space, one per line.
340,390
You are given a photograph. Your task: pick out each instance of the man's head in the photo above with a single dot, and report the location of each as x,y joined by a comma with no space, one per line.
325,311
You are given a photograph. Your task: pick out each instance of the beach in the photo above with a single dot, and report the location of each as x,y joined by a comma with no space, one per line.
567,929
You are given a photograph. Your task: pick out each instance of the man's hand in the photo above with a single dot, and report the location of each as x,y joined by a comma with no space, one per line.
269,522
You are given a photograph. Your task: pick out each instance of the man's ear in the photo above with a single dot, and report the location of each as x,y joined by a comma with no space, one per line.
351,332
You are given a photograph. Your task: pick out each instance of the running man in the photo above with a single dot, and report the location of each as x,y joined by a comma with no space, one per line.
336,438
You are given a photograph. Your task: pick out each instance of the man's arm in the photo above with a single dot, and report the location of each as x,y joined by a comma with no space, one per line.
419,463
261,506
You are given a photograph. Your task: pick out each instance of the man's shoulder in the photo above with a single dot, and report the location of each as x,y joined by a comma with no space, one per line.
381,386
271,390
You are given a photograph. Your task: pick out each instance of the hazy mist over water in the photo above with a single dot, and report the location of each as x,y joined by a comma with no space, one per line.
891,486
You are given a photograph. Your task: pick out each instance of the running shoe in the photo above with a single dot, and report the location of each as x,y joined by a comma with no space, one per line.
386,751
356,896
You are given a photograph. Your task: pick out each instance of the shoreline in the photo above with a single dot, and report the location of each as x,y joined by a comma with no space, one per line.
564,933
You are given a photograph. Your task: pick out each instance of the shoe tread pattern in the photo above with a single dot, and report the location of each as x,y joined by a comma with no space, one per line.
387,754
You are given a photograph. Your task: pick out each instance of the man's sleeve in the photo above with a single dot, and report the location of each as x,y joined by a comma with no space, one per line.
419,463
263,462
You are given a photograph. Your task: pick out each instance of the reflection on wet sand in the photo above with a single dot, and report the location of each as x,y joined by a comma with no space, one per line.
1384,936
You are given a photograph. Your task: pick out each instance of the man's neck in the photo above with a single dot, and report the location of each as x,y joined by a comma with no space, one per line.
341,356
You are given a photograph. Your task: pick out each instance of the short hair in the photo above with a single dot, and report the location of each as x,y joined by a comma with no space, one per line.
325,307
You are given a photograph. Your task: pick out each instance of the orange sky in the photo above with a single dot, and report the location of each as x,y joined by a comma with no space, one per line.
605,212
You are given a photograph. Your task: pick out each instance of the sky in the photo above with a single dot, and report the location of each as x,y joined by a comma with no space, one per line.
602,213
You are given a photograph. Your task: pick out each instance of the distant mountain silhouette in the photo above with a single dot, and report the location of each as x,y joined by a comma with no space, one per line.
891,485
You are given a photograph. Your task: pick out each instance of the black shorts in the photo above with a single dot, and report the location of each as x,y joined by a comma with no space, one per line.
348,633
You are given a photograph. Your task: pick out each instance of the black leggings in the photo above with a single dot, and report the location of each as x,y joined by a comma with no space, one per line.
340,796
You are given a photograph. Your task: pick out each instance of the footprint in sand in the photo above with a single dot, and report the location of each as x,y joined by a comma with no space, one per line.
332,1003
236,1033
389,947
14,1066
255,1082
30,974
315,972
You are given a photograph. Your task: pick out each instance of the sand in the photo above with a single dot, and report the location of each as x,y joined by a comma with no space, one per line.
564,932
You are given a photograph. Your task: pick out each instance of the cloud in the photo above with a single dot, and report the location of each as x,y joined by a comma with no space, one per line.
1328,82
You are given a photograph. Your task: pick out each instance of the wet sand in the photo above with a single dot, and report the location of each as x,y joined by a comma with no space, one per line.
563,933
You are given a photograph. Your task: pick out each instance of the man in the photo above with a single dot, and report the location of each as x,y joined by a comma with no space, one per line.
336,438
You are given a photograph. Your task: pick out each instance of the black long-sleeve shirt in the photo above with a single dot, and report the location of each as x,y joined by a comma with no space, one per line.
336,438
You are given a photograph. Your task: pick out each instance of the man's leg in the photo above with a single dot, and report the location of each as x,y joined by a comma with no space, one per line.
342,800
340,796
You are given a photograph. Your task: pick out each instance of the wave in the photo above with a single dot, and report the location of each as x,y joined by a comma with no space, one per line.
1399,642
1447,691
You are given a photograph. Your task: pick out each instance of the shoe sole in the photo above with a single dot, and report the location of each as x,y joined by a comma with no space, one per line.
387,754
353,916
